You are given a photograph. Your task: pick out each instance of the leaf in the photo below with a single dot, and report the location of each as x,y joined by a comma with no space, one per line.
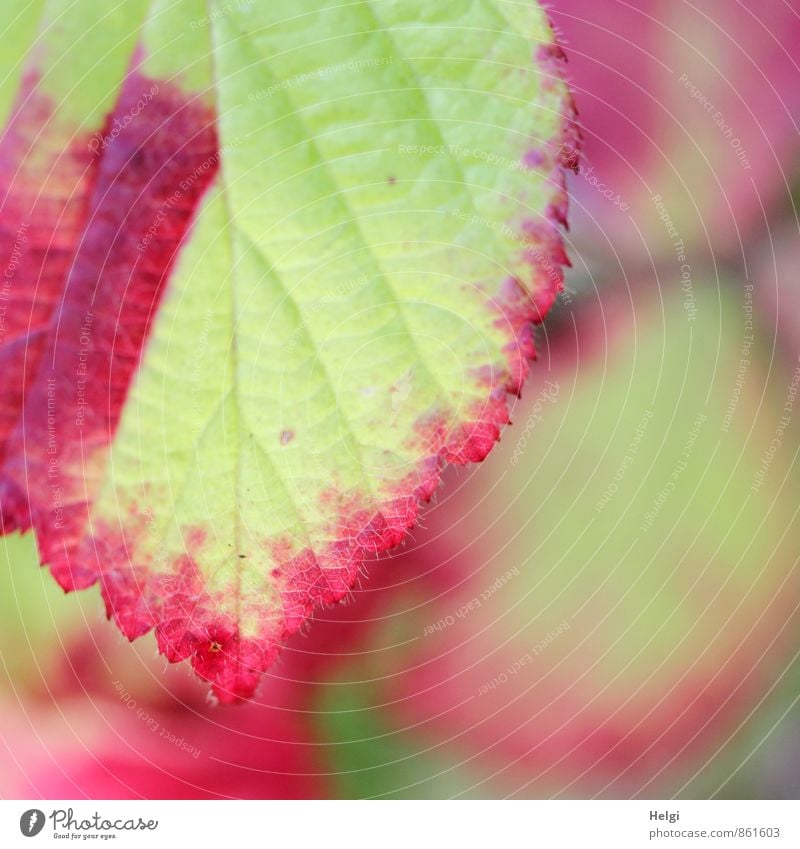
268,268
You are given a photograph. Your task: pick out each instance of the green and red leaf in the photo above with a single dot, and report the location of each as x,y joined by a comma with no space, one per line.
267,269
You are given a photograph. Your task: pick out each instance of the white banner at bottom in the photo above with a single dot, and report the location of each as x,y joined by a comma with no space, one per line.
404,824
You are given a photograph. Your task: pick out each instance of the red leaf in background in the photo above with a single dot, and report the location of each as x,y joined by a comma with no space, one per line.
696,103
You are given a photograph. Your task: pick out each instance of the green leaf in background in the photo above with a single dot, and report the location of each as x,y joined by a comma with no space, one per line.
270,266
610,606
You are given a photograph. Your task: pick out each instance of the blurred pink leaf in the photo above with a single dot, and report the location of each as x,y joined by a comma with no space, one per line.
694,102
